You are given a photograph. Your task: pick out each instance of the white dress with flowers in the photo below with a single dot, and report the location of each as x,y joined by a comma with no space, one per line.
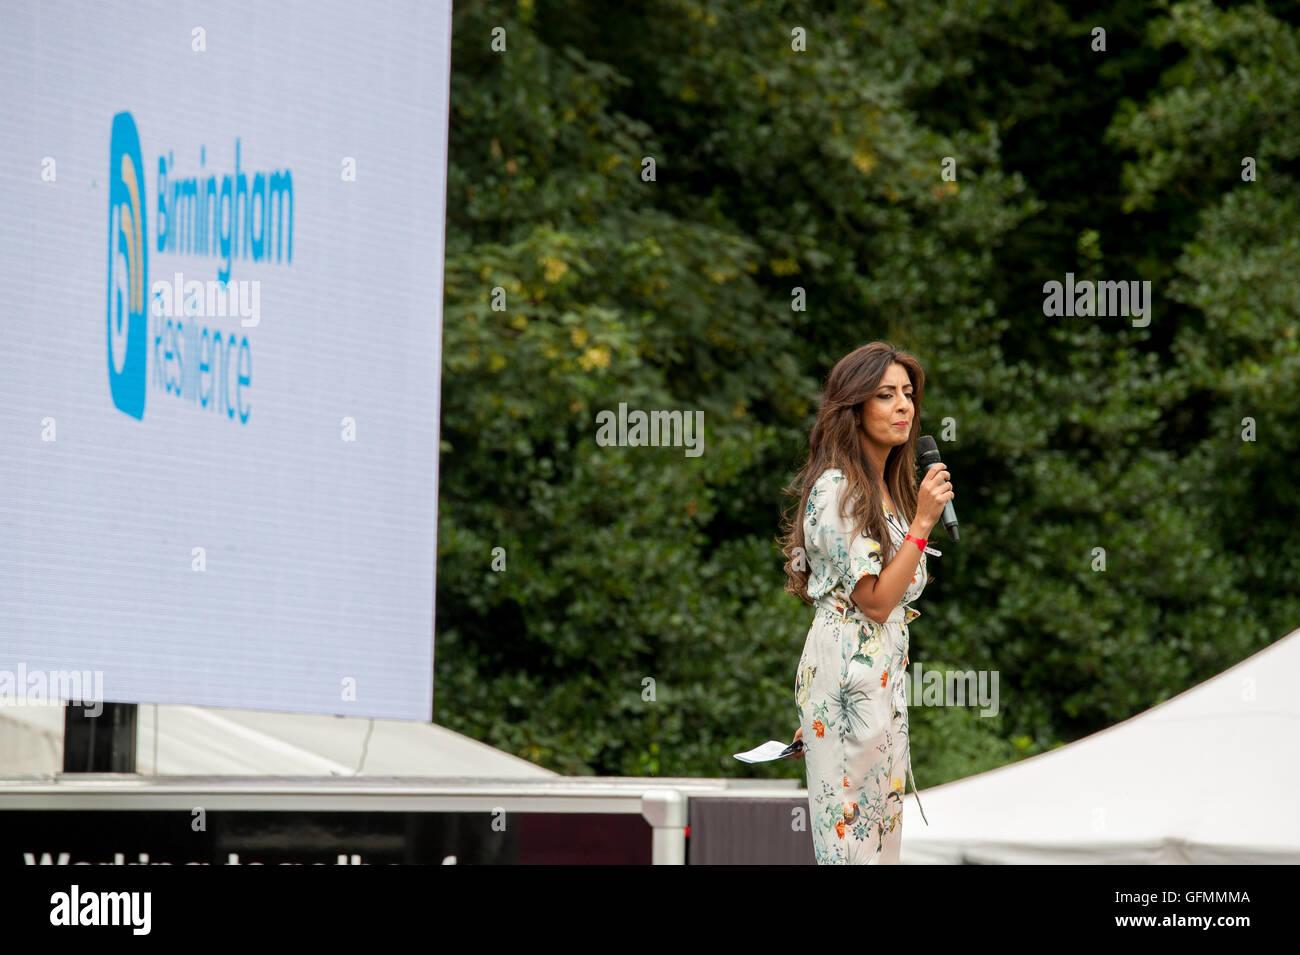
849,689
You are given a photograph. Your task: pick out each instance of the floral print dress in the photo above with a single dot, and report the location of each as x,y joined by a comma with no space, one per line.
849,689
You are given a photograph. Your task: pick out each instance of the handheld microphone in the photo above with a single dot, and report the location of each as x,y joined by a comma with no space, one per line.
928,455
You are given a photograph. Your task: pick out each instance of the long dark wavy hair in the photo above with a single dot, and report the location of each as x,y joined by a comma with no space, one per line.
836,442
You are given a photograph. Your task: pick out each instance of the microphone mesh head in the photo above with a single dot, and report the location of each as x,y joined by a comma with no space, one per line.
927,452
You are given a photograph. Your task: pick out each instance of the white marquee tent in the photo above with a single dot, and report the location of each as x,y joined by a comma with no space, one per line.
191,740
1211,776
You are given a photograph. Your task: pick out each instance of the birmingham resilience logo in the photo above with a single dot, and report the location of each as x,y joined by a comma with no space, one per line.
128,268
203,217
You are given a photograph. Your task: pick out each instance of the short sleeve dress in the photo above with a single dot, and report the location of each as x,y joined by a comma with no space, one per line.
849,689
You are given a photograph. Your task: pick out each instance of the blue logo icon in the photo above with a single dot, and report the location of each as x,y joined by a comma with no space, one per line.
128,277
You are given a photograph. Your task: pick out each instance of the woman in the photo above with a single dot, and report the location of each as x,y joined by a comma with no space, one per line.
853,557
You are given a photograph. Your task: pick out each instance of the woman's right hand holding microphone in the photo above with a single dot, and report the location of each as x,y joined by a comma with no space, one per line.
935,491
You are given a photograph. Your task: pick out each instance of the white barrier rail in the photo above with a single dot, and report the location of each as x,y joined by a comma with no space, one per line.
662,802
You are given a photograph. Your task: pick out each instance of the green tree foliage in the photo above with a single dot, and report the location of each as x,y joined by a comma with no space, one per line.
818,169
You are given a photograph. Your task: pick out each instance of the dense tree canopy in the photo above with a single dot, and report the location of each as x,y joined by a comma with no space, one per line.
620,610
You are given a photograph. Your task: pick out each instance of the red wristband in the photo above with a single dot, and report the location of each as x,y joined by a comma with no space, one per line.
919,541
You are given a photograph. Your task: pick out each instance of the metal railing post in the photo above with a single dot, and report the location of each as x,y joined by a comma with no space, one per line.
666,811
